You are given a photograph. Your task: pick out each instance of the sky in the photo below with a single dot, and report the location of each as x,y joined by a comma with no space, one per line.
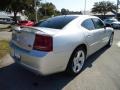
75,5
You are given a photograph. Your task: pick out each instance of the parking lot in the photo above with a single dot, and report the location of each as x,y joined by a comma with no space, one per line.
101,72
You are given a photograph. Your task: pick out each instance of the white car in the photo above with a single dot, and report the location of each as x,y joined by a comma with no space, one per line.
60,43
114,23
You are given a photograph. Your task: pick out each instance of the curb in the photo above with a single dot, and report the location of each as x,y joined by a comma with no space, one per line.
6,61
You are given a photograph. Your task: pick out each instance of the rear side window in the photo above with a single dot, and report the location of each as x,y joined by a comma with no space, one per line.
88,24
57,22
98,23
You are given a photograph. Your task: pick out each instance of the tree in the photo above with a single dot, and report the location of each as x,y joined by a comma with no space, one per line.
16,6
47,9
64,11
103,7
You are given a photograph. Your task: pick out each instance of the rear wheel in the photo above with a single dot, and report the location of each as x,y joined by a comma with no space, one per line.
76,61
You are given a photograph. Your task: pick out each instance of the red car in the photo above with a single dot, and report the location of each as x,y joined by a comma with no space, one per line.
26,23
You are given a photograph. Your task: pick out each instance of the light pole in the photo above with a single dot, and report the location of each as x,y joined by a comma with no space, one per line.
36,17
45,8
117,9
85,8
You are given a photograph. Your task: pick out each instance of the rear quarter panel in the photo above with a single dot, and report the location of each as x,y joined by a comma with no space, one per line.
109,31
66,41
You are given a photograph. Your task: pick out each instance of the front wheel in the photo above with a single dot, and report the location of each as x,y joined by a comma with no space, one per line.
110,40
76,61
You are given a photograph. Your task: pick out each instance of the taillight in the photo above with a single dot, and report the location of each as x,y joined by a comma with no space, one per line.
43,43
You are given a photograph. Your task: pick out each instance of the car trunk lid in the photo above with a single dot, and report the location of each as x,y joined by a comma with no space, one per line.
24,37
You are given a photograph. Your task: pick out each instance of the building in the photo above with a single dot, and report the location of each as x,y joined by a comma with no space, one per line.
108,15
20,16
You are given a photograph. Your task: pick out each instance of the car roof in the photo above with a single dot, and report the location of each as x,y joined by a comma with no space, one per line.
4,16
68,20
78,21
81,16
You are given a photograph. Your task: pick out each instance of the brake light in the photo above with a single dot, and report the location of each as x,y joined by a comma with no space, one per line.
43,43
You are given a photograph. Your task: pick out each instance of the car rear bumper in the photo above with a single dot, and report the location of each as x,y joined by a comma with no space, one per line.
43,63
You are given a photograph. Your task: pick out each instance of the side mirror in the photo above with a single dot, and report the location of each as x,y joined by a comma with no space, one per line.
108,25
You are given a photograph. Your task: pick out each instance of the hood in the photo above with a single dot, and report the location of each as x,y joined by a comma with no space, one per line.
116,22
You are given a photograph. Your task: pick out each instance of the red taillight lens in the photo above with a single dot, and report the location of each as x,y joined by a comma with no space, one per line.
43,43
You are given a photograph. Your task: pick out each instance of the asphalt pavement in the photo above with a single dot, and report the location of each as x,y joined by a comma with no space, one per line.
101,72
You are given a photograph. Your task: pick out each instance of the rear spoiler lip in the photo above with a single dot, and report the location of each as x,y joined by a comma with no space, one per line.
43,30
19,28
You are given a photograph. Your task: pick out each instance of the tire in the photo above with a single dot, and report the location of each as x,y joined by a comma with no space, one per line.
110,40
76,61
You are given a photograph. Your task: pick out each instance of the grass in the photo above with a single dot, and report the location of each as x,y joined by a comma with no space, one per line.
4,27
1,30
4,48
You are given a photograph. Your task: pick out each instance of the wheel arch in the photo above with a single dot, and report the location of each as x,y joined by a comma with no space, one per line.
113,32
84,46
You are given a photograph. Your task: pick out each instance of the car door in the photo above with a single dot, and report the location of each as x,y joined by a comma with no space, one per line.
92,35
100,31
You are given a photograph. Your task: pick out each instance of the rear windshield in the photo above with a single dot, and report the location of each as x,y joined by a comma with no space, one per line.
56,22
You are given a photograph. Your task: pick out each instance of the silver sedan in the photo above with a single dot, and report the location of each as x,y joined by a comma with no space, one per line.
60,43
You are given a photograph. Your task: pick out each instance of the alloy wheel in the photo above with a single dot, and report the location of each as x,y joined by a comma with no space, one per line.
78,61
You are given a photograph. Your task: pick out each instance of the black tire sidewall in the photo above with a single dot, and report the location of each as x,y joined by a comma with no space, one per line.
110,40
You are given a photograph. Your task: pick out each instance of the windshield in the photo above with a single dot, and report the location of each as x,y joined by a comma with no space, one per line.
57,22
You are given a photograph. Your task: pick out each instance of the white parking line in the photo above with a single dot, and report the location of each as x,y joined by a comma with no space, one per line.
118,44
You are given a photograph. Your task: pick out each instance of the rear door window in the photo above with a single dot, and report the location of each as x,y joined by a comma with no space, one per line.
88,24
98,23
